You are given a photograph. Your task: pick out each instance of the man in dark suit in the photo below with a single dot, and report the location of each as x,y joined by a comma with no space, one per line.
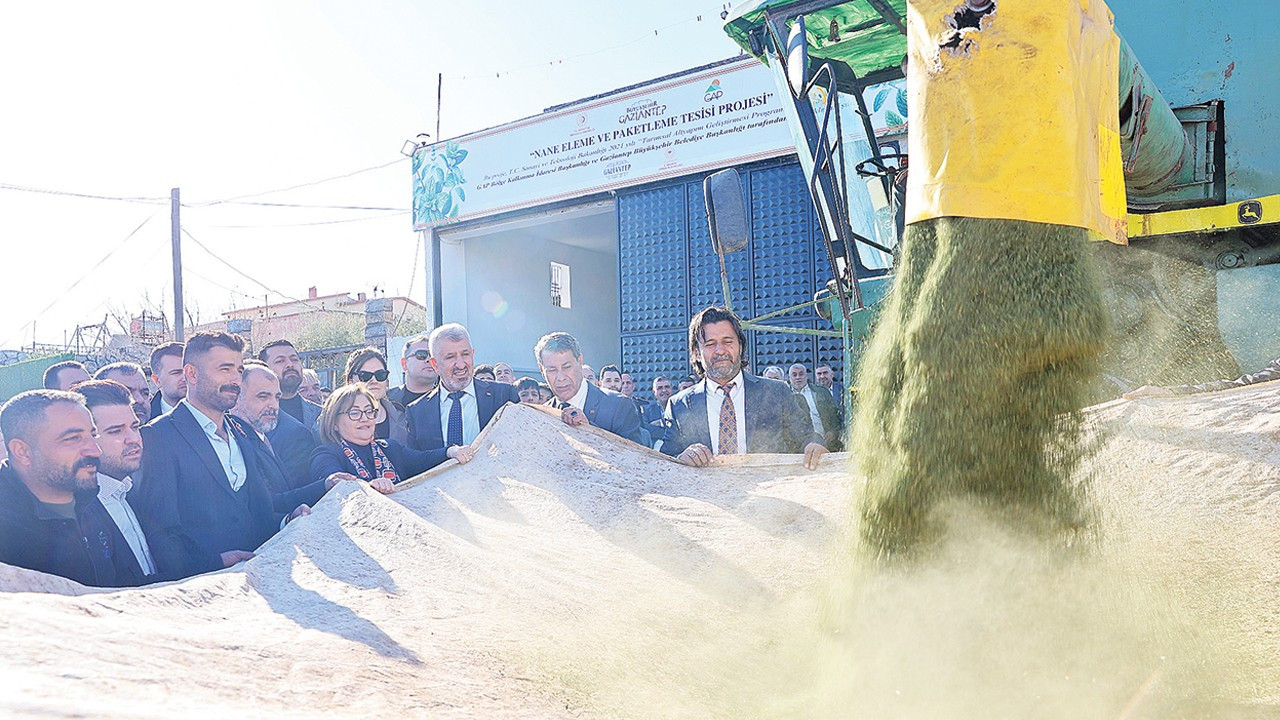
826,377
581,402
166,373
420,377
282,357
285,450
749,414
204,498
654,414
461,405
50,517
819,404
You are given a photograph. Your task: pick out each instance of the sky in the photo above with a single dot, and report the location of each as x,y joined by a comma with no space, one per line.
242,102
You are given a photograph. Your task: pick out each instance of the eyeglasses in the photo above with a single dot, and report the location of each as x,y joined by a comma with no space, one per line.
421,355
357,414
366,376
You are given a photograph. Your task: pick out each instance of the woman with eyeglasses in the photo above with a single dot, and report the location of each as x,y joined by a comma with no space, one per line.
351,451
369,366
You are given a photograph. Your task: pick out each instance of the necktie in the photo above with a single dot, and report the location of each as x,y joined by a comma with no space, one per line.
455,419
728,423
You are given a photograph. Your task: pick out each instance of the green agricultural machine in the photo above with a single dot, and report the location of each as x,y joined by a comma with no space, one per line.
1190,276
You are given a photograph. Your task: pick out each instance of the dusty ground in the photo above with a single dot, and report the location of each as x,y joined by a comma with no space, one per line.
564,573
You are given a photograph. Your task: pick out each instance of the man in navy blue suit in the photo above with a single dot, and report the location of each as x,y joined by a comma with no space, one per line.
732,412
581,402
460,406
204,496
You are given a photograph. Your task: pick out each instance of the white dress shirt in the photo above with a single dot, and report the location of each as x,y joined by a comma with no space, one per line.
228,451
715,399
470,413
814,417
112,492
579,398
165,408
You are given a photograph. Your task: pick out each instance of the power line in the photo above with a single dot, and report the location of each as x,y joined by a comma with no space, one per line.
398,213
259,283
81,279
413,276
298,186
315,207
87,196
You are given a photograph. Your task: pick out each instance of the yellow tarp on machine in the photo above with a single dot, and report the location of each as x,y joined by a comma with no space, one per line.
1017,118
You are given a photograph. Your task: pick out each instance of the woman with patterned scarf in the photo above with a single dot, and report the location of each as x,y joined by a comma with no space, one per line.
351,452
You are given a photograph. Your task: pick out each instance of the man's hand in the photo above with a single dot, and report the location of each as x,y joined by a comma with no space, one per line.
461,453
336,478
813,453
303,509
696,455
231,557
383,485
574,416
1149,391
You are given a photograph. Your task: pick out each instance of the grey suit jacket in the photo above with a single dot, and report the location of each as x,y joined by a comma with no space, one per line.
610,411
777,420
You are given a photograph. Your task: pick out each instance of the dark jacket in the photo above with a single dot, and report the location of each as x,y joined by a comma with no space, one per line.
293,442
397,421
89,549
329,458
1266,374
833,431
425,432
400,393
187,503
610,411
310,412
654,418
776,419
288,491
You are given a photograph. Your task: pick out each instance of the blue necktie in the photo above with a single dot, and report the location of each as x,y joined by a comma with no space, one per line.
455,419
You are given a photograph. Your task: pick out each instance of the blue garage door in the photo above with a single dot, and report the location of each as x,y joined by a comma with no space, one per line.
669,272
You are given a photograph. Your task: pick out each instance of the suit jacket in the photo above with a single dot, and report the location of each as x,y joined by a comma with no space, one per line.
288,491
425,432
292,443
653,416
310,413
829,412
612,411
88,549
776,419
187,505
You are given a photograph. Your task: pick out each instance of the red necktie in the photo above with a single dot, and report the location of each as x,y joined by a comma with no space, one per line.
728,423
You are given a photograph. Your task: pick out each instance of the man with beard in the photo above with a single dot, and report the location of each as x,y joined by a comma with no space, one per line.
132,376
285,450
166,373
282,358
420,375
653,414
120,443
611,378
50,516
580,402
310,387
456,411
204,500
732,412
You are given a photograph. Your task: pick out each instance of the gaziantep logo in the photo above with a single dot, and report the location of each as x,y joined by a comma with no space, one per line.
713,91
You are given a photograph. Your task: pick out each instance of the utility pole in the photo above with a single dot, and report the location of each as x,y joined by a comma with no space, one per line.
175,230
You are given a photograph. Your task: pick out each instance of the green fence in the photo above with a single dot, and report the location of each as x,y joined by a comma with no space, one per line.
26,375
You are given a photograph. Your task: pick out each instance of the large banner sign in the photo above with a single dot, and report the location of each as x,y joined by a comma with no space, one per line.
710,119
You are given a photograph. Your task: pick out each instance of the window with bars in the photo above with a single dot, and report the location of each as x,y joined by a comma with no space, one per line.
560,296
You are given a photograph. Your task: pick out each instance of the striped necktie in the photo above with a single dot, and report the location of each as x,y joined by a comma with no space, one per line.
728,423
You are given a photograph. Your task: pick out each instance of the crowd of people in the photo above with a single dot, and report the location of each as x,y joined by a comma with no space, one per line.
110,485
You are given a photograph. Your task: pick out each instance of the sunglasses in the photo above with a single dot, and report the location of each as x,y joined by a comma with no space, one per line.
366,376
421,355
356,413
